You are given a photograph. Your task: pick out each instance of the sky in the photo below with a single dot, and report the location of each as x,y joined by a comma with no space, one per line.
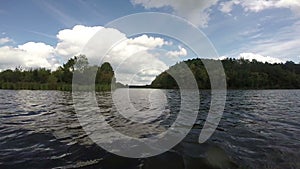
36,33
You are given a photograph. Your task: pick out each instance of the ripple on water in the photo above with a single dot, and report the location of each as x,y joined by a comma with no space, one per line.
259,129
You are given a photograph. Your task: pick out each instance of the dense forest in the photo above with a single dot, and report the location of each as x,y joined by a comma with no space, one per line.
240,74
60,79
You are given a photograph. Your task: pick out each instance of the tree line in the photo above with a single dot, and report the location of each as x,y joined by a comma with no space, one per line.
240,74
60,79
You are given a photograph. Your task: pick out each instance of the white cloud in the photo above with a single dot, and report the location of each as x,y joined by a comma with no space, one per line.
130,57
222,58
72,41
149,42
283,44
260,5
31,54
227,6
133,62
130,46
196,11
261,58
181,52
5,40
28,55
140,68
251,56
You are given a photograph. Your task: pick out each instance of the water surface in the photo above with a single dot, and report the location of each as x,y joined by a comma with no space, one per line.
259,129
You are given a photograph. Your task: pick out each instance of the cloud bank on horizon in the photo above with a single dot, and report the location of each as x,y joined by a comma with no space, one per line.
258,42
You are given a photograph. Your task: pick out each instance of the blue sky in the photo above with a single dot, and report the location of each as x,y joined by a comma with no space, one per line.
260,29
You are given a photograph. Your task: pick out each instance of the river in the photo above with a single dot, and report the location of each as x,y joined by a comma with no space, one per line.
259,129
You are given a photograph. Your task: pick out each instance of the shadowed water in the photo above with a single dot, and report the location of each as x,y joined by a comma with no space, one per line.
259,129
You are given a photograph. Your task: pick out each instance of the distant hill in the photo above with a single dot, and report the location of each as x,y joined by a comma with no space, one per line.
240,74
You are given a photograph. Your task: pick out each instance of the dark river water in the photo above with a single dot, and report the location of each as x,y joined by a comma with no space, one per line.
259,129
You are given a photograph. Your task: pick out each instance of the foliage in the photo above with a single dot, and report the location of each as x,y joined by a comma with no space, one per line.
240,74
60,79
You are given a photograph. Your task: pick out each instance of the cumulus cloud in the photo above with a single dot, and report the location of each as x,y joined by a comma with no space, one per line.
259,5
139,68
132,60
5,40
261,58
195,11
131,57
71,41
250,56
174,54
28,55
130,46
149,42
128,56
